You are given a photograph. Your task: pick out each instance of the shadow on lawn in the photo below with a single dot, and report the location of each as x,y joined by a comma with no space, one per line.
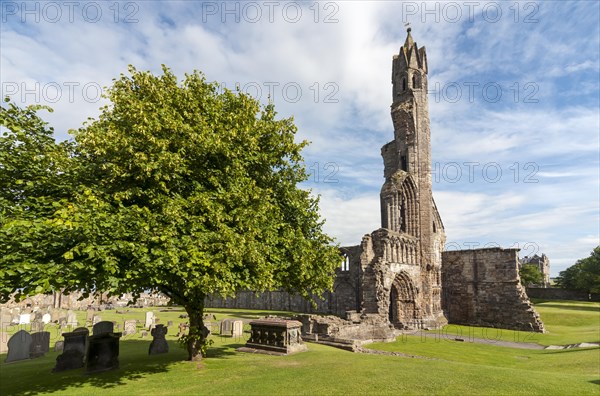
552,304
34,377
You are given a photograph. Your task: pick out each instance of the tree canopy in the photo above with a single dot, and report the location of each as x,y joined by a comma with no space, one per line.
584,275
177,187
530,275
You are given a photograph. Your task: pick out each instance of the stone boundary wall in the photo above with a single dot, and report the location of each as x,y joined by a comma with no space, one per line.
561,294
482,287
270,300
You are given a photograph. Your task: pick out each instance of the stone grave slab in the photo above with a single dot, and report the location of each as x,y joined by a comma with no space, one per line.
74,349
103,327
72,319
24,318
19,346
276,337
159,343
103,352
129,327
40,344
149,320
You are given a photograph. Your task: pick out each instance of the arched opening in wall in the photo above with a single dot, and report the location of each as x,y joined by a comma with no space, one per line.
345,262
403,309
408,210
416,80
344,298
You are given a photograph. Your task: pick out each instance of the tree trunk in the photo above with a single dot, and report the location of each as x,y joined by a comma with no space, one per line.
197,332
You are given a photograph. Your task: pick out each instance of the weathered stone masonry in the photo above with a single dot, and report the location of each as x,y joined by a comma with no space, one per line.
394,277
482,287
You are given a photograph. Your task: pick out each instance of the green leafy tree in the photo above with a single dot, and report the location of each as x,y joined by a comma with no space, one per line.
35,179
189,191
530,275
584,275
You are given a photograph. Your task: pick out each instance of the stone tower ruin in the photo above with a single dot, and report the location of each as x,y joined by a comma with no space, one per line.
401,261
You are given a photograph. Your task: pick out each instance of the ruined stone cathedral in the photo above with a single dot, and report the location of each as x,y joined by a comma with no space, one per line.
399,276
401,262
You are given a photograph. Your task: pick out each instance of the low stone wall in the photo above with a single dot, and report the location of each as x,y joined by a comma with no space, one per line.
482,287
551,293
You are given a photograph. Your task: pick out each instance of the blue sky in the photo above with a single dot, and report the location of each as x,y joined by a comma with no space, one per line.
514,97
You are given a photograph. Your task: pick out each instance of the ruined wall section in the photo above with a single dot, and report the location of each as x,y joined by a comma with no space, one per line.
482,288
345,296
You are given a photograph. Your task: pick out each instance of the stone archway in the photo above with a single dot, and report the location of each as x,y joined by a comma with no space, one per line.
403,306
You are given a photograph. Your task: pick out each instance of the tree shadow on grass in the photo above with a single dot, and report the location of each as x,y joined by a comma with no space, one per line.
34,376
597,382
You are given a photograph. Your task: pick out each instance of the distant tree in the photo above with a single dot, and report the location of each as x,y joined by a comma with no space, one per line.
530,275
584,275
185,190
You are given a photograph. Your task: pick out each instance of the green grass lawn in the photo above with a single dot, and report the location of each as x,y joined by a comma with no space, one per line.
454,368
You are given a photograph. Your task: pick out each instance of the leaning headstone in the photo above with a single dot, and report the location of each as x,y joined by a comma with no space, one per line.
103,352
18,346
159,343
59,346
72,319
103,327
96,319
149,320
40,344
25,318
46,318
73,351
237,329
129,327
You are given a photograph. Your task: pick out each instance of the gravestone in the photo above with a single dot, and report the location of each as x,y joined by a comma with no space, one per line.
73,350
59,346
103,327
55,315
103,352
129,327
25,318
149,320
169,323
89,317
5,318
18,346
279,337
37,326
144,333
37,316
182,328
159,343
62,323
72,319
3,342
226,327
46,318
40,344
237,329
96,319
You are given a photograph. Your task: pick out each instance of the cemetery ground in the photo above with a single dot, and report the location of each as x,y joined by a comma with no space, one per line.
441,366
